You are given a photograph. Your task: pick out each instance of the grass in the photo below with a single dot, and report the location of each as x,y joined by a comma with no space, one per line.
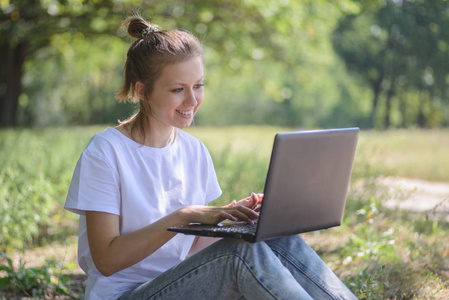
379,253
421,154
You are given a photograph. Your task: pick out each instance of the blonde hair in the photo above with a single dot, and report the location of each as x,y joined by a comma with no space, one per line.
146,57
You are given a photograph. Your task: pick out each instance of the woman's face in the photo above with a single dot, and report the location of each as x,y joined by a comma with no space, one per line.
177,94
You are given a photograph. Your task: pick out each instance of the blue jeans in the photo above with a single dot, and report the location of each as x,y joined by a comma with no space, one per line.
285,268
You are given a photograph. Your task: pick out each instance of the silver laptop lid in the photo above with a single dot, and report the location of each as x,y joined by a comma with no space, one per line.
307,181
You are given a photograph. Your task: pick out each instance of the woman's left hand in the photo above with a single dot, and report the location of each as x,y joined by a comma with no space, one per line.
254,201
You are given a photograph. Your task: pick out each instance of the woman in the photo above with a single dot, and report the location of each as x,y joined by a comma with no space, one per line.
133,181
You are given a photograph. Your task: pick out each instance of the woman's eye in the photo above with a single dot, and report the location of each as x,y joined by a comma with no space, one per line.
199,85
178,90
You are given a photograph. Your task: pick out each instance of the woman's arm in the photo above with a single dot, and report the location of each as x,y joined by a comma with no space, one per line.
112,252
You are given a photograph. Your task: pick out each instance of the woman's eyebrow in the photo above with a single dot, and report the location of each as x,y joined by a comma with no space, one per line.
182,83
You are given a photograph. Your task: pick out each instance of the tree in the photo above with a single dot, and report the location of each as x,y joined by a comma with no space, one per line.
28,25
368,51
428,47
253,30
398,46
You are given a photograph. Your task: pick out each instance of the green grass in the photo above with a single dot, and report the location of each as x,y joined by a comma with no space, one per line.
35,169
422,154
379,253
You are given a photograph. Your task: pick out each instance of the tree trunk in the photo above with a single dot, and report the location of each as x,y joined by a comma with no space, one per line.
11,82
377,88
421,119
387,121
403,110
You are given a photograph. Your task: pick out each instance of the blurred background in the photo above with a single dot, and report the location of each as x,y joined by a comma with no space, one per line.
301,63
271,66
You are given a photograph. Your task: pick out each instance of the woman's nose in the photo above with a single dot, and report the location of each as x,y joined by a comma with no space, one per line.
191,99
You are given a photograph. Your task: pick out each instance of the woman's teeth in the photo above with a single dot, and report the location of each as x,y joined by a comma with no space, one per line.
185,113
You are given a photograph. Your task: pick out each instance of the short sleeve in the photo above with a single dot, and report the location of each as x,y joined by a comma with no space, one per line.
94,186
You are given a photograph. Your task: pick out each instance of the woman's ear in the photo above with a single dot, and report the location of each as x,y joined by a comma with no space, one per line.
140,90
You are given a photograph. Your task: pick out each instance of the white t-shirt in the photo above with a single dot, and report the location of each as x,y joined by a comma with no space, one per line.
140,184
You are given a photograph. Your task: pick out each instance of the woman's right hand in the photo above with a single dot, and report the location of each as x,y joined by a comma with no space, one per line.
213,215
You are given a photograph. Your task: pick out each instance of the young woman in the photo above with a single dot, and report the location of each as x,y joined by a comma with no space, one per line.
135,180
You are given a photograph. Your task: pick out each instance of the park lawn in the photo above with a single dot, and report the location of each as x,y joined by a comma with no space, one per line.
421,154
409,153
380,253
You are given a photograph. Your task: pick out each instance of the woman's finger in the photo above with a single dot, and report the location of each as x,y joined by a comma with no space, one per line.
224,215
233,203
245,214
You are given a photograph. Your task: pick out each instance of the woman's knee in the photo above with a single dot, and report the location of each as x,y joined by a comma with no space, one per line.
288,241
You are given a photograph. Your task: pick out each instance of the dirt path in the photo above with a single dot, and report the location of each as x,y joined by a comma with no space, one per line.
417,195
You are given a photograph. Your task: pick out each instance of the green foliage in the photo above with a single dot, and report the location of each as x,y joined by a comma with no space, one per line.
392,260
367,242
379,253
276,56
35,171
366,283
391,254
267,62
33,282
57,98
239,174
28,199
398,49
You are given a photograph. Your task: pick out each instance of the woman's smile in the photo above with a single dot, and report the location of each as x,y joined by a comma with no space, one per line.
185,113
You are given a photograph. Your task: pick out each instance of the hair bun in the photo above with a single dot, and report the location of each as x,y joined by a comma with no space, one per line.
138,28
150,29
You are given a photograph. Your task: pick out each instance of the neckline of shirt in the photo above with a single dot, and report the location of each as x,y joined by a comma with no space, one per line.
140,146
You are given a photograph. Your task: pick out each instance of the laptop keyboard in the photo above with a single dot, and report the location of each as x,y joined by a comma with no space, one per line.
247,228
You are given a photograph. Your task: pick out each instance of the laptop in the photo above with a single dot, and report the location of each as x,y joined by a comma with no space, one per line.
305,189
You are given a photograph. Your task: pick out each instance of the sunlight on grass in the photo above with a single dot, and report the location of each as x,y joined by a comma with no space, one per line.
255,139
379,253
422,154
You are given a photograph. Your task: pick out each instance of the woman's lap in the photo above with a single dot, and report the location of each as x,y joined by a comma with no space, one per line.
285,268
